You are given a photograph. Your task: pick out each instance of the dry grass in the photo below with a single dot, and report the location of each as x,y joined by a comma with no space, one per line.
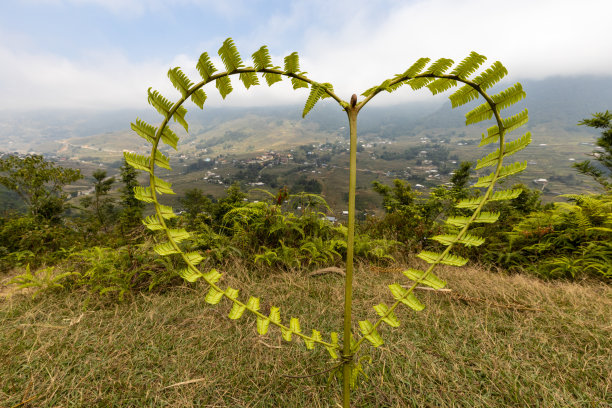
471,347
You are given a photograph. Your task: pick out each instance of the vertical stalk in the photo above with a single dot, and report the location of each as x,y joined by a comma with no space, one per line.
348,283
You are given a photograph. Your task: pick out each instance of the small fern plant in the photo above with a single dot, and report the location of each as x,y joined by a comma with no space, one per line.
436,76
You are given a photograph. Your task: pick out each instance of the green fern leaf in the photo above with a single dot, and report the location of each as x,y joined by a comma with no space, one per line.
262,325
137,161
439,67
199,97
163,187
189,275
179,234
484,182
212,276
224,85
332,350
230,56
167,248
463,95
369,91
144,194
249,79
491,76
253,304
161,160
416,68
483,217
389,318
237,311
292,66
180,81
169,137
274,315
469,65
152,223
370,333
144,130
194,258
441,85
467,240
164,106
286,334
509,149
205,67
213,296
294,325
510,124
470,203
317,92
310,343
430,280
478,114
166,212
447,259
262,60
418,83
509,96
506,195
402,295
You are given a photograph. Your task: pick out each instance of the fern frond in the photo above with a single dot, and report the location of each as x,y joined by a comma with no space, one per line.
484,182
143,194
467,240
317,92
430,280
509,149
369,332
213,296
509,96
484,217
162,186
144,130
491,76
169,137
152,223
165,249
369,91
478,114
262,59
137,161
448,259
253,304
400,294
237,311
292,66
249,79
441,85
262,325
180,81
469,65
166,211
161,160
463,95
470,203
388,317
439,67
178,235
416,68
230,56
189,274
205,67
224,85
164,106
194,258
310,343
510,124
199,97
506,195
332,350
212,277
418,83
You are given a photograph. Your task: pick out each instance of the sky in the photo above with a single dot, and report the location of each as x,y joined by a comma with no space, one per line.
105,54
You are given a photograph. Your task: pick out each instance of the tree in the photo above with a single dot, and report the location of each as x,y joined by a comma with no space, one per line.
132,208
602,171
196,205
103,206
39,183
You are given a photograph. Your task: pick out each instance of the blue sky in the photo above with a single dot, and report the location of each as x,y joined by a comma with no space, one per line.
104,54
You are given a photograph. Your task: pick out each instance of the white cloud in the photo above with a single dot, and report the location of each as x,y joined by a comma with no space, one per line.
352,50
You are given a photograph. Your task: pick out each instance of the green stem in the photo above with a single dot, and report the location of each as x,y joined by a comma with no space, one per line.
348,285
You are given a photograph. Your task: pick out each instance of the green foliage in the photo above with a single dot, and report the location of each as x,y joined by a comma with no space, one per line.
43,279
262,223
39,183
601,170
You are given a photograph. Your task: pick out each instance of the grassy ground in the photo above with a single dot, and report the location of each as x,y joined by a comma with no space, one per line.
494,341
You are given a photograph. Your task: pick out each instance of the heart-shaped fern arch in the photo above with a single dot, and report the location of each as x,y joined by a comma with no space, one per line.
420,74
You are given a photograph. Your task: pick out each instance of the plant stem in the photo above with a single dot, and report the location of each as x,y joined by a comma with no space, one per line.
348,283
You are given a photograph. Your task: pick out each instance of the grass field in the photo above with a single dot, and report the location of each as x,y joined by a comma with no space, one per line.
493,341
